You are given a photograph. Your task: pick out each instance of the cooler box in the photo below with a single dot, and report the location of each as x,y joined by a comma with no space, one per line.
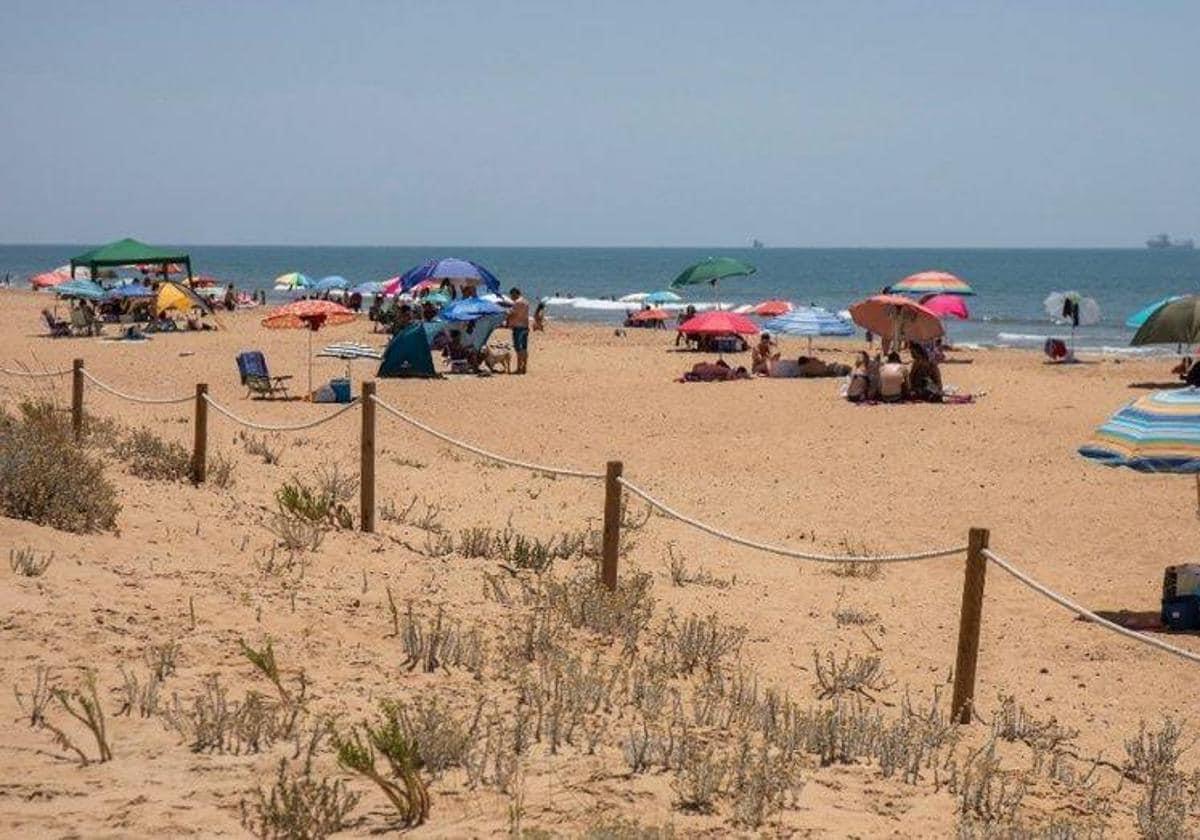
341,390
1181,580
1181,613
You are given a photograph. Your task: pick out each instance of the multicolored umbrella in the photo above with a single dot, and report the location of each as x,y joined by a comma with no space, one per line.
458,272
808,321
291,281
1157,433
1176,321
932,283
947,306
310,315
83,289
900,317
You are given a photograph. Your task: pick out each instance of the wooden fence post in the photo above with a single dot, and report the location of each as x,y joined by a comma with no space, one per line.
612,525
77,398
969,623
366,470
200,436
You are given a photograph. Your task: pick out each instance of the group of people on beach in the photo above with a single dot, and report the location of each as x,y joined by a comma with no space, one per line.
886,378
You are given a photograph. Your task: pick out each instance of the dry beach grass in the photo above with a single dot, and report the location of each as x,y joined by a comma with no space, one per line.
253,663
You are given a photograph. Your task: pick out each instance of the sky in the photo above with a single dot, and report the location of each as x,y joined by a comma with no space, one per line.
607,123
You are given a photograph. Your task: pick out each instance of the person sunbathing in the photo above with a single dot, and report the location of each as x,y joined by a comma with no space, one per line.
765,354
924,379
893,379
718,371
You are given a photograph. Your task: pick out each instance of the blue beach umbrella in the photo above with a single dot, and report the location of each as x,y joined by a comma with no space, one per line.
470,309
131,290
459,272
664,296
328,284
85,289
809,321
1143,315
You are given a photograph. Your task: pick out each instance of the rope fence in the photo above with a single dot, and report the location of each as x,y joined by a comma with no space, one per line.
978,555
103,386
264,427
784,551
461,444
1086,614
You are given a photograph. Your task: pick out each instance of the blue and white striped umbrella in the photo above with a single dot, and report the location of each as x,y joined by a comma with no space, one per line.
328,284
808,321
351,350
1159,432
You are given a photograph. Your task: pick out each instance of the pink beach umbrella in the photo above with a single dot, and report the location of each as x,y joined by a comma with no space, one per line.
947,306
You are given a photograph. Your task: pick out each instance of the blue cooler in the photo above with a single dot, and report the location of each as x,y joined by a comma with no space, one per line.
1181,612
341,390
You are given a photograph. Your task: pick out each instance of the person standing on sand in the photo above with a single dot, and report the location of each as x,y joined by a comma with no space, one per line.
518,322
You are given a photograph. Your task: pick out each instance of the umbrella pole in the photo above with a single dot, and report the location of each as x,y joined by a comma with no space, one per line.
310,388
1198,495
810,345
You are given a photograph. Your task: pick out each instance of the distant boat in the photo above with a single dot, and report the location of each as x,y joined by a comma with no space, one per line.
1163,241
757,243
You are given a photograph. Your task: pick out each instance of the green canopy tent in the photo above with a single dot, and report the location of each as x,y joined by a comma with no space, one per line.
130,252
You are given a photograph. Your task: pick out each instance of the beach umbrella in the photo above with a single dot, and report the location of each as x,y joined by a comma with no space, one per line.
1156,433
47,279
470,309
771,308
665,296
291,281
808,321
716,322
206,281
1074,309
1142,315
309,315
901,317
436,298
712,270
83,289
1176,321
331,283
947,306
131,290
932,283
649,315
351,350
458,272
172,295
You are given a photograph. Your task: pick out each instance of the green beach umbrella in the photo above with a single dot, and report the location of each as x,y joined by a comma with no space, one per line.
1175,322
712,270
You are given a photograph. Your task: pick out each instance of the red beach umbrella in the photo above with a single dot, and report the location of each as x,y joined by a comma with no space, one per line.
772,308
719,323
47,279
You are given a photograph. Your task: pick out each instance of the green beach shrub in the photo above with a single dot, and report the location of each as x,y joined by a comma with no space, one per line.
149,456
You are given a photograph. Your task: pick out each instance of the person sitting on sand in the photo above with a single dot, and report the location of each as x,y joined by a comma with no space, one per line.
893,379
539,317
859,387
924,380
765,354
196,322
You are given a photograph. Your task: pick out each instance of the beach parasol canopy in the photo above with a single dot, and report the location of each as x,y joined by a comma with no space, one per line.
947,306
82,289
931,283
1157,433
328,284
711,270
771,308
809,322
310,315
134,289
1174,322
649,315
717,322
470,309
458,272
291,281
665,296
47,279
1072,308
172,295
901,317
1140,317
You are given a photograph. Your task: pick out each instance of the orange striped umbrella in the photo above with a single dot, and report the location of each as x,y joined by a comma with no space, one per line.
310,314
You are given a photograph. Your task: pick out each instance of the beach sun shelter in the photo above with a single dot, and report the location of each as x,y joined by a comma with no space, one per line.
131,252
407,355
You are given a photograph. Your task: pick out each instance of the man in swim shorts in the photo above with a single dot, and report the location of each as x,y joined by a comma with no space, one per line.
518,322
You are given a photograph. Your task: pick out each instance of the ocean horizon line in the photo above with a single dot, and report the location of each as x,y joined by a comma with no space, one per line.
621,247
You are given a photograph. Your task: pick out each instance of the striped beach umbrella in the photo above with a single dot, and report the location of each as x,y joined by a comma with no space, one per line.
351,350
291,281
1157,433
931,283
809,322
309,315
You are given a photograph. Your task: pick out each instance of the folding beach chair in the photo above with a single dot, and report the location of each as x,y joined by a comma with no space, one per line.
57,328
252,367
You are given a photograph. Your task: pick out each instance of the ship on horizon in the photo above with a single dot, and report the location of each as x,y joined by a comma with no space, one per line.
1163,241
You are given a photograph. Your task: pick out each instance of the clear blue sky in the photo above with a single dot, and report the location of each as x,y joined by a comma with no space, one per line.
564,123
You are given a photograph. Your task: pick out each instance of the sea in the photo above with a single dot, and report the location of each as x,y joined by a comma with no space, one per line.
1008,308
